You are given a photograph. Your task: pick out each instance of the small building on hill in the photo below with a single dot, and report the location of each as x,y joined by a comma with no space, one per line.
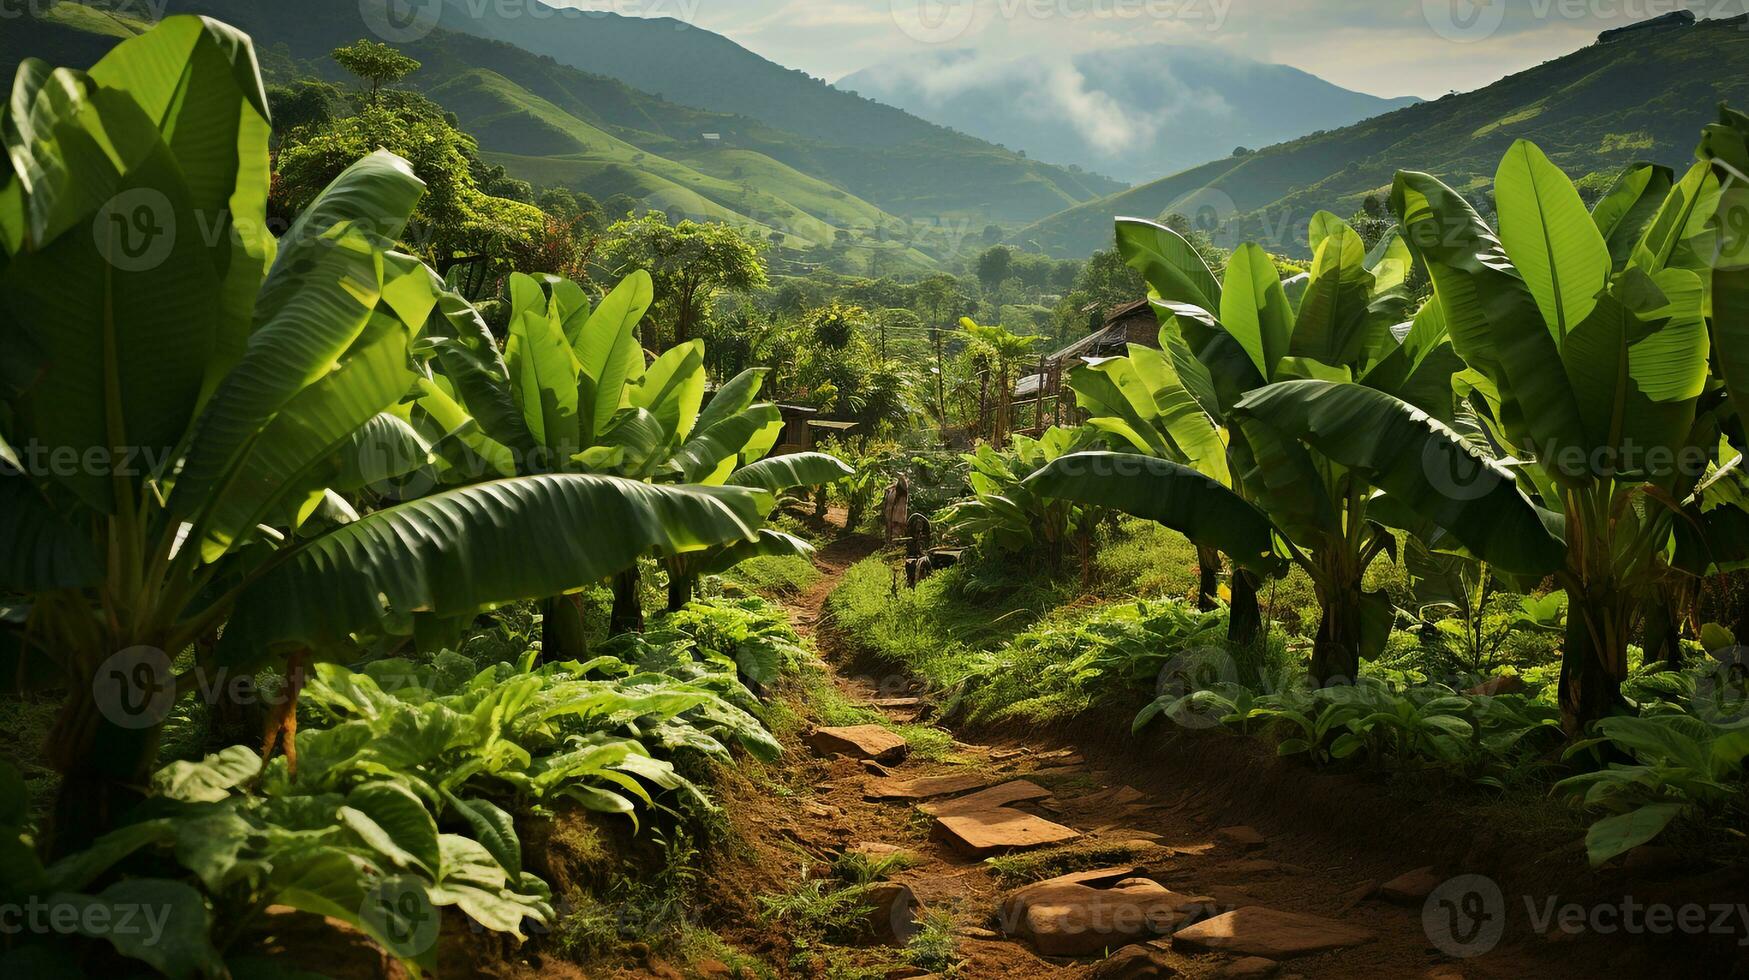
1042,399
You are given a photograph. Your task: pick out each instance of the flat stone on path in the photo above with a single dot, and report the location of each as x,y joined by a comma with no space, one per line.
1250,966
1084,913
1269,933
860,742
922,789
1410,888
1138,962
995,830
892,916
1245,837
1018,791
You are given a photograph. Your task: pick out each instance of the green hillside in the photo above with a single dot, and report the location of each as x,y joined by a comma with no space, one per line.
898,163
1641,96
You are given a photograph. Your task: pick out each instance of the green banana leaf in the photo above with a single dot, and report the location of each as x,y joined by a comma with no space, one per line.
1169,493
1412,458
468,550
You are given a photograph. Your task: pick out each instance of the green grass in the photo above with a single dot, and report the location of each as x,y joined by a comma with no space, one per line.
1030,866
773,576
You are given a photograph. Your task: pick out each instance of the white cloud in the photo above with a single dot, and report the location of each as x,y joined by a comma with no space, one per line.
1387,47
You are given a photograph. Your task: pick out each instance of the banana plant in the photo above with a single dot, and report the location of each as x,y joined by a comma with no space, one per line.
1012,518
1275,378
1590,376
183,394
572,393
1141,401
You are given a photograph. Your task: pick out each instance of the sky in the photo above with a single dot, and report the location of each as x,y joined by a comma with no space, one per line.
1424,48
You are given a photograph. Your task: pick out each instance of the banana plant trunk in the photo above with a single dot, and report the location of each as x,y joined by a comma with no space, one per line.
1336,649
103,744
1593,659
563,636
680,590
1662,637
1208,578
1245,615
628,604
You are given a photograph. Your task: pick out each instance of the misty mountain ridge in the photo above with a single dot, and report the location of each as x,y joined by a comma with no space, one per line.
1133,112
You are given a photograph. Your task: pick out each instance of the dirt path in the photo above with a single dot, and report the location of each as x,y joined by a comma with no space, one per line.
1203,843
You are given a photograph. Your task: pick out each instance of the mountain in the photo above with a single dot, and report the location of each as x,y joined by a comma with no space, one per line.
1134,112
1637,95
905,180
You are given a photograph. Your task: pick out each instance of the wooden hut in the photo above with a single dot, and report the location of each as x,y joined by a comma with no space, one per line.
1042,399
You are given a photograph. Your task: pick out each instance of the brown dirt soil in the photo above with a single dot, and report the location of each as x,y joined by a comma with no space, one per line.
1327,842
1330,838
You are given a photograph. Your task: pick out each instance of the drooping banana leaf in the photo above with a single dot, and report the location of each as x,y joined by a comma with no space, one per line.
467,550
1410,456
1169,493
1168,263
780,473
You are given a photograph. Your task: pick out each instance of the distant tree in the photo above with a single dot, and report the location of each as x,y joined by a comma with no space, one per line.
691,263
992,234
834,326
995,265
376,63
619,206
1243,151
307,103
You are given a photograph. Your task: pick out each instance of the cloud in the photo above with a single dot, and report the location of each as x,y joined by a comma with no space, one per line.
1387,47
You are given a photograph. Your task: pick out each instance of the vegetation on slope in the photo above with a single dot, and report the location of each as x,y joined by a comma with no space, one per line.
1642,97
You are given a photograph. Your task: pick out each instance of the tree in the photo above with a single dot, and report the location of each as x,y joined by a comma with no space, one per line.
1272,382
1004,349
248,384
1590,336
376,63
995,265
691,264
305,103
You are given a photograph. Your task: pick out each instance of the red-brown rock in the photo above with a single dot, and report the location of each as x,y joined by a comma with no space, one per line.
1276,935
860,742
1084,913
1410,888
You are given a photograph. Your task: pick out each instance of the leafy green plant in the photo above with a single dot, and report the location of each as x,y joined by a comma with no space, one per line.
752,635
1681,765
1281,373
1012,518
224,399
572,394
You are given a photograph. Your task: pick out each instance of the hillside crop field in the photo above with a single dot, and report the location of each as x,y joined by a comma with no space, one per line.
516,493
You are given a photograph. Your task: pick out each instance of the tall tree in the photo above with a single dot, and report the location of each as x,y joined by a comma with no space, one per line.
376,63
691,264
